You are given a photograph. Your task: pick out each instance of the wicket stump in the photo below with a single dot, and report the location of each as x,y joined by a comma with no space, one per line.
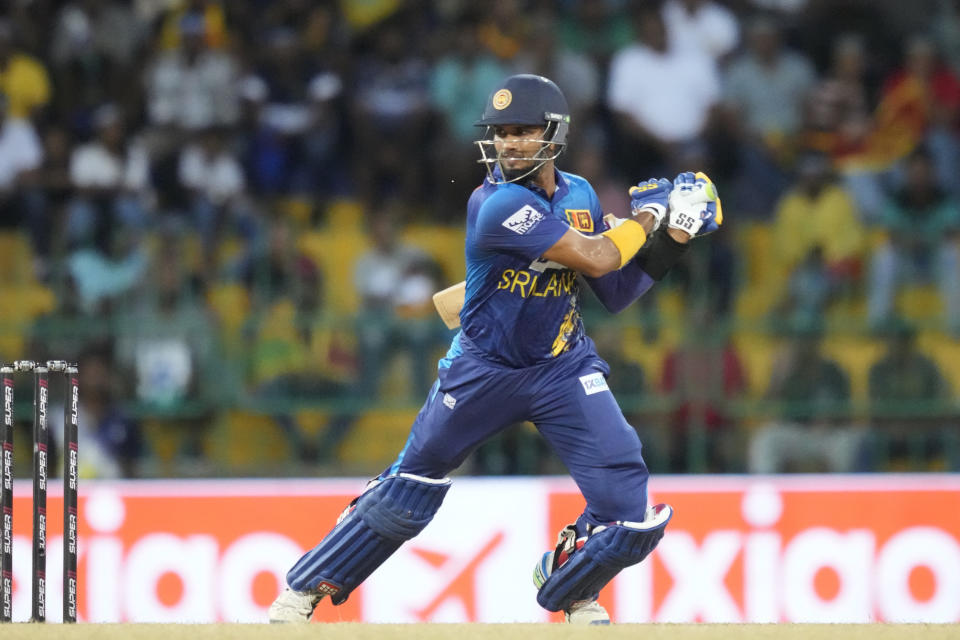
41,399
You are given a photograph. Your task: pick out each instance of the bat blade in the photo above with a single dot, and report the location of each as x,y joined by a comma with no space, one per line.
449,302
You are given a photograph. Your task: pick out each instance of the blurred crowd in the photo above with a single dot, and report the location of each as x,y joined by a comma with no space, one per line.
182,182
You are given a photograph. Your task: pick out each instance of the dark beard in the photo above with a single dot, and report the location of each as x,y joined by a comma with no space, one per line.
514,174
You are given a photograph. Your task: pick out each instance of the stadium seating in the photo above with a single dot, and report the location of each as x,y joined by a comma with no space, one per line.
16,258
248,443
377,437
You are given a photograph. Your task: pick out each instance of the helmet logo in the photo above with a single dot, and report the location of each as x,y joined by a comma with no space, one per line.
502,99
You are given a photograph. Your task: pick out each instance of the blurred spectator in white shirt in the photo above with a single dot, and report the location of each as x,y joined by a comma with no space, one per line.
21,155
703,25
111,175
112,160
661,98
20,151
193,87
211,174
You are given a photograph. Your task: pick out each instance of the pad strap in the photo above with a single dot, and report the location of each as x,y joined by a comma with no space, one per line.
386,515
601,558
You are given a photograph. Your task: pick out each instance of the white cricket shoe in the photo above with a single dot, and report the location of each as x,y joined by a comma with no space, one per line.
294,606
586,612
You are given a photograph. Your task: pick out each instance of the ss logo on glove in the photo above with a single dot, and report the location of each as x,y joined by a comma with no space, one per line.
684,221
694,205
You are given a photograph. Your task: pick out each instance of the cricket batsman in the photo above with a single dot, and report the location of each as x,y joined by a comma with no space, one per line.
535,235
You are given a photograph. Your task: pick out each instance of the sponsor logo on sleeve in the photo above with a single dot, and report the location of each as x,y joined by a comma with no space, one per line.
523,220
594,383
449,401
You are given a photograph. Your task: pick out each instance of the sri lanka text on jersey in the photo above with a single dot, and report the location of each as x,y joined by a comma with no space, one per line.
540,285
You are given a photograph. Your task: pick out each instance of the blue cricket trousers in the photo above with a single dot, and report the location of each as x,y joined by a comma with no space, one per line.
568,401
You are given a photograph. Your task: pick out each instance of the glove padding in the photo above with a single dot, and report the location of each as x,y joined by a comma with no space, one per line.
651,195
694,204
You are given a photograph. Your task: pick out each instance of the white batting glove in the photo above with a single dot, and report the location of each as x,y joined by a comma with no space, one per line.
694,206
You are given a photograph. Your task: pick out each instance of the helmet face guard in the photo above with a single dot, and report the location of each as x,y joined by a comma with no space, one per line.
524,100
494,160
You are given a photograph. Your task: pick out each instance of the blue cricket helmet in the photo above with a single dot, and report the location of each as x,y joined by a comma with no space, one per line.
525,99
529,100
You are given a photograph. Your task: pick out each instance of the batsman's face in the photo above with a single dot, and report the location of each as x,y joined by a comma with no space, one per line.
517,145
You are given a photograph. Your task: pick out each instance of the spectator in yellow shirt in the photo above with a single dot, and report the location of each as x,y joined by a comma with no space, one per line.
817,217
23,78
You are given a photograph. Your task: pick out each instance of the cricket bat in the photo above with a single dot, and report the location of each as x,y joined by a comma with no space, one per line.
449,302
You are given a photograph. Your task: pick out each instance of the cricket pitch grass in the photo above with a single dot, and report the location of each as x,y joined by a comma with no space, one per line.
360,631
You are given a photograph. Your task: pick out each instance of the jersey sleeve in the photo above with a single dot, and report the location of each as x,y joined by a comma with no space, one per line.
517,225
596,211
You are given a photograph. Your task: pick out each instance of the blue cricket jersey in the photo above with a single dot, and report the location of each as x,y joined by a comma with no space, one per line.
521,310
